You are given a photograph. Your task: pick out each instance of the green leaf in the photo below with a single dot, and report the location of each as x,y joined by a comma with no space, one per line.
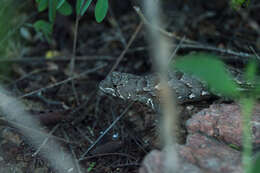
42,5
65,9
79,5
237,4
211,70
256,91
234,146
43,26
256,165
253,79
101,10
84,9
60,3
52,10
251,70
91,166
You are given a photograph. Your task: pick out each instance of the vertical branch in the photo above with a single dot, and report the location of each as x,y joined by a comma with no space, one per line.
14,112
72,61
160,54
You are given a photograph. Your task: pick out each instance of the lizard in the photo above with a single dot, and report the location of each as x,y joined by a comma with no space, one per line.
144,89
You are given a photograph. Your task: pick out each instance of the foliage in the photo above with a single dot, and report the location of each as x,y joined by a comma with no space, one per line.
91,166
237,4
44,27
9,39
64,8
212,71
208,68
8,22
101,6
256,166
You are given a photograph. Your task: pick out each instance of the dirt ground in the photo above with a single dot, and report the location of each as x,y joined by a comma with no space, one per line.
81,114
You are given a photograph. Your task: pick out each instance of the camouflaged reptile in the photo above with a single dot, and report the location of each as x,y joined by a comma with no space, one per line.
144,89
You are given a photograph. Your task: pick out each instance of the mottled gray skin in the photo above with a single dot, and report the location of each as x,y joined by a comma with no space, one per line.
144,88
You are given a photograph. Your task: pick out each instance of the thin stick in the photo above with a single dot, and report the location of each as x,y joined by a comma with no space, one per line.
106,131
163,31
221,50
45,140
14,110
160,54
35,131
72,62
176,50
72,151
64,81
57,58
127,47
253,50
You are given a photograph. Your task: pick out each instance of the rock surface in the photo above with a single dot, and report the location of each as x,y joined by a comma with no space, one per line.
200,154
223,121
207,146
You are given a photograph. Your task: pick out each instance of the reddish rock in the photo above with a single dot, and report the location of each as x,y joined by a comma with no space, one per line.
223,121
154,162
199,154
210,154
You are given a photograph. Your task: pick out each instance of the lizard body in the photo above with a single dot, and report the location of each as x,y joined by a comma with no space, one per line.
144,89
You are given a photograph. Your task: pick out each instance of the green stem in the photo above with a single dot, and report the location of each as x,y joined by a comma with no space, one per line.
247,108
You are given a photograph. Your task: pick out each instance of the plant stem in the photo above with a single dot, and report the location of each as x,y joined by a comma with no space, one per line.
72,62
247,108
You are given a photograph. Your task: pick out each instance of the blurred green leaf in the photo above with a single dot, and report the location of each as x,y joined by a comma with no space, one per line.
79,5
237,4
10,22
247,105
52,10
6,26
256,91
42,5
44,27
85,7
91,166
234,146
65,9
256,165
60,3
251,70
211,70
101,10
253,79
